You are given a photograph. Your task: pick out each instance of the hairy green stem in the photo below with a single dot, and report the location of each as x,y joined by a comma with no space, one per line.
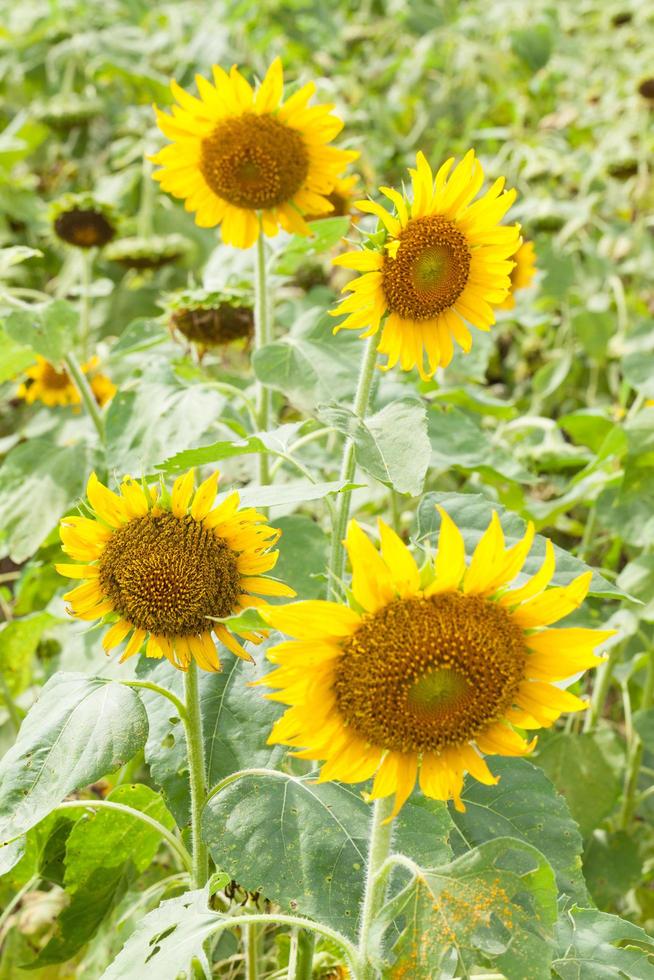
631,782
150,686
175,845
262,336
85,301
306,943
348,467
86,394
197,773
381,832
252,942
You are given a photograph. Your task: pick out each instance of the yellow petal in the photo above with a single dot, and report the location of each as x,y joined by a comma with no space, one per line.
397,774
204,497
116,634
553,604
269,94
267,586
78,571
134,645
105,503
312,618
136,503
536,583
371,578
450,564
182,490
499,739
232,643
485,558
404,571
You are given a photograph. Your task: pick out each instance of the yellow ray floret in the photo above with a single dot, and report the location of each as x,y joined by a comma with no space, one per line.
522,273
427,671
445,263
53,386
168,574
248,161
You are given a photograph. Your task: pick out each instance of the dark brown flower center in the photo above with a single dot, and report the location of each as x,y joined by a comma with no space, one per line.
166,574
423,674
254,162
53,379
430,269
214,327
84,228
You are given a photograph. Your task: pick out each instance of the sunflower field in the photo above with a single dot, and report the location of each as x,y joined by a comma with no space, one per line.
327,490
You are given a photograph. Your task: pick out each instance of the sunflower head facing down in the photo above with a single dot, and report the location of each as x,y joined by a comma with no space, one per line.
427,671
446,259
247,160
522,273
53,386
169,568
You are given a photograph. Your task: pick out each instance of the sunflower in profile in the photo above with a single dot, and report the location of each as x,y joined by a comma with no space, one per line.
169,568
522,273
427,671
246,160
446,259
53,386
82,221
341,199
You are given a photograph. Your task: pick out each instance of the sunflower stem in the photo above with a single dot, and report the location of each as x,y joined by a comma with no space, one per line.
348,467
252,940
146,205
381,832
197,774
85,301
86,394
306,942
603,676
262,336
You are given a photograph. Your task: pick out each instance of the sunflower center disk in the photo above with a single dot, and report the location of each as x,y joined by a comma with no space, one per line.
254,161
423,674
166,574
51,378
216,326
430,269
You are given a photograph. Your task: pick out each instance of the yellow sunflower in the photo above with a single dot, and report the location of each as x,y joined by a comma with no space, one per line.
446,259
427,671
522,273
169,568
47,384
246,160
341,199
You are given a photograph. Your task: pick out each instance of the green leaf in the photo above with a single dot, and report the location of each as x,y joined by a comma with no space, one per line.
524,805
104,852
18,641
304,845
236,723
140,335
638,360
472,513
50,330
15,357
310,365
167,940
156,420
79,729
612,866
39,481
457,439
643,722
261,442
324,235
586,944
587,769
284,494
493,906
628,509
392,445
14,255
303,553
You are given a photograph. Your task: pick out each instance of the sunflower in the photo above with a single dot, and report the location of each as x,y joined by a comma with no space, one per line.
522,273
83,221
169,568
52,386
427,671
340,199
210,319
246,160
444,259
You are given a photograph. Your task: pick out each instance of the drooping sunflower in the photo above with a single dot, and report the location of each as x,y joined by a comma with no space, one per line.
83,221
246,160
169,568
426,672
210,319
446,259
54,386
522,273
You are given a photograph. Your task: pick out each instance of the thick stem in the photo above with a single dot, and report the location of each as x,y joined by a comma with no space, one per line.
262,336
631,783
252,937
85,301
603,677
197,773
306,943
86,394
381,832
348,466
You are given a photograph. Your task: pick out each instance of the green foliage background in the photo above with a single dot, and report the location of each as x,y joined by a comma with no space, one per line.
548,418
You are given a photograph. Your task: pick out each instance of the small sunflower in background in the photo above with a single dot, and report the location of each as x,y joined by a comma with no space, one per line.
143,252
427,671
166,568
446,259
210,319
245,159
82,221
522,273
341,199
53,386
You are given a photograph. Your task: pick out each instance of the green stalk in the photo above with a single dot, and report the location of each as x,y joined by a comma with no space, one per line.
9,703
197,773
603,677
86,394
306,942
381,832
85,301
252,937
146,204
348,467
262,336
